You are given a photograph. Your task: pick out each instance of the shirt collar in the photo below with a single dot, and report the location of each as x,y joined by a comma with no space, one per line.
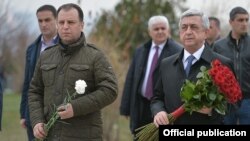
53,41
196,54
161,46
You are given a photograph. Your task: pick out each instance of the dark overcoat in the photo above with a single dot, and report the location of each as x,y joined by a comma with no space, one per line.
130,105
172,77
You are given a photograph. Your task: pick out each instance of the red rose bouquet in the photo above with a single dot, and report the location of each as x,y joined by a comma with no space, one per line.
214,89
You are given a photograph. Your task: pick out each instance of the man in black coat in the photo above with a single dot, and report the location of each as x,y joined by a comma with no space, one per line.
236,47
193,27
135,102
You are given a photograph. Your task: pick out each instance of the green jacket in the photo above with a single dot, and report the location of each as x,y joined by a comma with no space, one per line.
56,72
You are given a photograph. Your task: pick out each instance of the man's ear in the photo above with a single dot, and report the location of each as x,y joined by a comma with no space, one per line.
206,32
230,22
82,25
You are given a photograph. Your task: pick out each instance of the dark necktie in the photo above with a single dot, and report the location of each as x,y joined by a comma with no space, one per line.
149,86
189,64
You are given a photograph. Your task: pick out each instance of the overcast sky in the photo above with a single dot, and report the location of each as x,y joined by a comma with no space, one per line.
97,5
217,8
32,5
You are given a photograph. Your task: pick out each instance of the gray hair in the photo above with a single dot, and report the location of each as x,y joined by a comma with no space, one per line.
194,12
156,19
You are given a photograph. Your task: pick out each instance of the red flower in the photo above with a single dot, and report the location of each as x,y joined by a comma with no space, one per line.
213,89
226,82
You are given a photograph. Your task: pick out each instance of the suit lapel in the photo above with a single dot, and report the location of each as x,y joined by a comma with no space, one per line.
142,63
143,59
164,53
35,53
207,54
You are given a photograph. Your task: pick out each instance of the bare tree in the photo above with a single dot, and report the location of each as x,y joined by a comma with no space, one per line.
14,37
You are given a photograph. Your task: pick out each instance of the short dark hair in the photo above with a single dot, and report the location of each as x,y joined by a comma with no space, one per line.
216,20
237,10
70,6
47,8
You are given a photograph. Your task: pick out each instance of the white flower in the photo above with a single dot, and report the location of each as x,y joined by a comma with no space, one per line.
80,86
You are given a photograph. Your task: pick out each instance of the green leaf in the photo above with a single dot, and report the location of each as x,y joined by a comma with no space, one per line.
202,93
220,111
187,90
197,96
203,68
212,96
200,75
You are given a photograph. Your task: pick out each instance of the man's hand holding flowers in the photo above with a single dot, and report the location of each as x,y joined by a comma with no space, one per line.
214,88
39,131
65,111
161,118
205,110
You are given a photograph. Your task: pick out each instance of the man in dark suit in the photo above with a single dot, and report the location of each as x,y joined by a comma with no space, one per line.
46,16
193,27
143,72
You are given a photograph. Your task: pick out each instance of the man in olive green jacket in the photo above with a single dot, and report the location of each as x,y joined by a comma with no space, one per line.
57,70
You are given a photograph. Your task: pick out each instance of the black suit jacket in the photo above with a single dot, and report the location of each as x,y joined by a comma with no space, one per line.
130,102
171,78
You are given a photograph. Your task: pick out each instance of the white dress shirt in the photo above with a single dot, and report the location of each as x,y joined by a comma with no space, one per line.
149,62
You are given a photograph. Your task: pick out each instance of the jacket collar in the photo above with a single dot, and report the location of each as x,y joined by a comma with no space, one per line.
70,49
206,55
234,40
148,44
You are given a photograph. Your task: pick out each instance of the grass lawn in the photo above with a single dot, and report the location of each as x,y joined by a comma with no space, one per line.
11,129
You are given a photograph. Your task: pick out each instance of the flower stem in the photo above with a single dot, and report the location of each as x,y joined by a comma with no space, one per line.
178,112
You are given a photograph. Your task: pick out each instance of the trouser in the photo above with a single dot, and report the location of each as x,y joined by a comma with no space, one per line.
145,116
240,115
145,112
30,134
